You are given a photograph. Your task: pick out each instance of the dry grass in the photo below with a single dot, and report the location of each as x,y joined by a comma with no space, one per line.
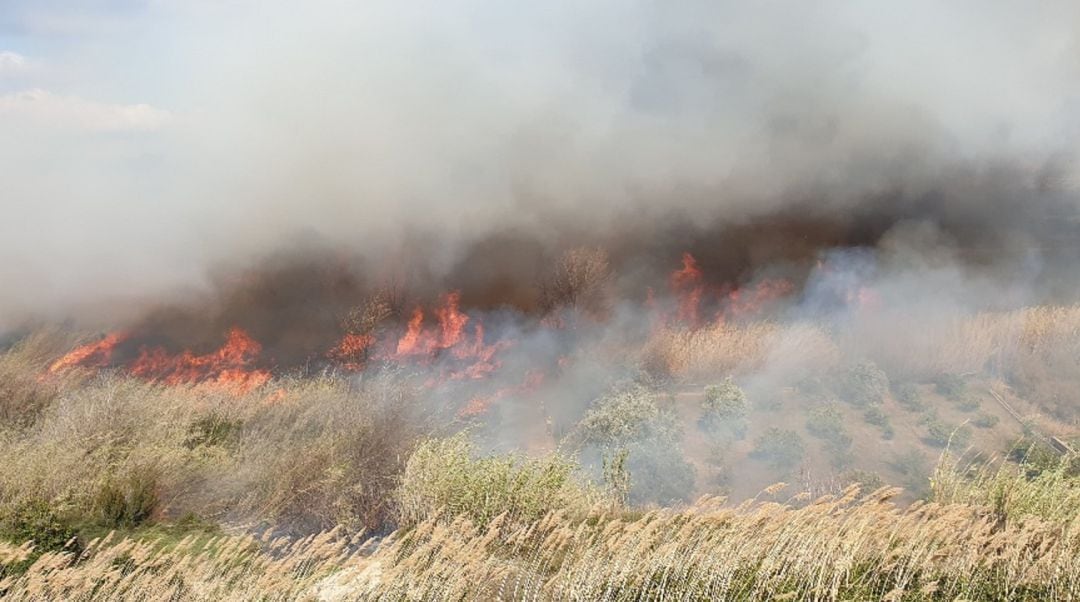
302,455
836,548
330,456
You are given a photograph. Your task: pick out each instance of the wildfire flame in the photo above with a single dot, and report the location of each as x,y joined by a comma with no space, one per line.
92,355
688,288
228,367
443,336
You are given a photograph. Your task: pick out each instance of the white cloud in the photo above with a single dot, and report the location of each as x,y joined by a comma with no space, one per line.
44,108
11,62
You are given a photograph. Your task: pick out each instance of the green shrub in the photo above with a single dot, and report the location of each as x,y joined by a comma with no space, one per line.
211,429
863,384
949,385
825,421
630,419
725,409
914,468
780,448
866,480
940,433
1034,455
725,400
444,477
986,421
128,500
659,474
968,403
908,396
39,522
624,417
876,416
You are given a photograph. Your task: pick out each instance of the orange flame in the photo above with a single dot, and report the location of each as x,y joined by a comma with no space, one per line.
745,302
226,368
688,287
91,355
352,351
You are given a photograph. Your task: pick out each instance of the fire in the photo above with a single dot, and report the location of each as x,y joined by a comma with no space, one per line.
91,355
746,302
420,341
480,404
687,286
227,368
351,352
451,321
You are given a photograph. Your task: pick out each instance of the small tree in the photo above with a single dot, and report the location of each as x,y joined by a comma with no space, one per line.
863,384
780,448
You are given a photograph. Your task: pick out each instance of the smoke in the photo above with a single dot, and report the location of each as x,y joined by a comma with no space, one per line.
169,143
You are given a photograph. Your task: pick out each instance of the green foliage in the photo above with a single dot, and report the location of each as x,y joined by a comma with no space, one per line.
908,396
725,409
39,522
211,429
876,416
941,433
780,448
726,400
862,384
624,417
445,478
986,421
826,421
1013,491
968,403
949,385
866,480
1037,457
914,468
630,419
128,500
659,474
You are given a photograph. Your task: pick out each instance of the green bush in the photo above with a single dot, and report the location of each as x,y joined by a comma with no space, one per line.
211,429
866,480
725,409
914,468
968,403
986,421
949,385
128,500
39,522
908,396
445,477
624,417
780,448
940,433
630,419
863,384
659,474
876,416
725,401
825,421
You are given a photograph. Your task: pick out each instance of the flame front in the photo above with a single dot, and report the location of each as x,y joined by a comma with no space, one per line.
91,355
227,368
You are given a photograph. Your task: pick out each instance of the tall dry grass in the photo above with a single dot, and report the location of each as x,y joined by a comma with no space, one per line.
302,455
847,547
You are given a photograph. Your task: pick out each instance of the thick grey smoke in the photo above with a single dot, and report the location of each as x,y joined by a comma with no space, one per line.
252,127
